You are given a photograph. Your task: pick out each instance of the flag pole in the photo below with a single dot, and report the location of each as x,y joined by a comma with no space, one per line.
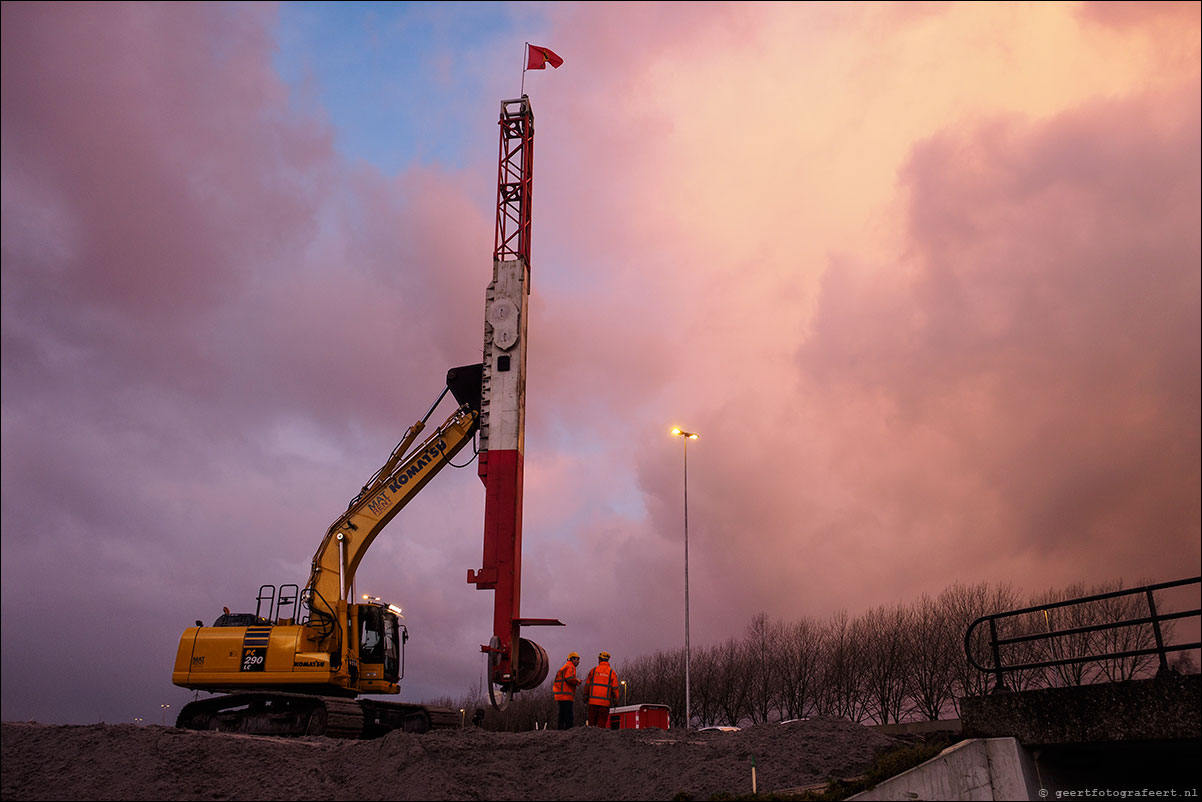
525,61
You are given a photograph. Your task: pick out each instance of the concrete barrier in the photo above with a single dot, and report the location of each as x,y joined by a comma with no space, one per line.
950,726
1156,709
977,769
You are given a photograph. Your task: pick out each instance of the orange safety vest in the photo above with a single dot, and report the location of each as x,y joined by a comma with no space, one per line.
602,685
565,683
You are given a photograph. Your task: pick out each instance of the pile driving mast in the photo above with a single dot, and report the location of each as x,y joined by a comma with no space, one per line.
515,664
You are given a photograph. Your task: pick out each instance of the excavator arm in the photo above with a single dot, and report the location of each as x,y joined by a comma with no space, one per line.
405,473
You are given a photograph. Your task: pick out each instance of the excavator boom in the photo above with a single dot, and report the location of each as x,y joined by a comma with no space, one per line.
392,487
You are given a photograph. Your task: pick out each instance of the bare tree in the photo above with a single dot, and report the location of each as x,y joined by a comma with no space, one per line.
966,603
704,680
843,674
1125,638
634,670
934,647
762,645
801,668
1184,663
731,696
642,682
1072,646
886,665
1024,652
668,682
655,679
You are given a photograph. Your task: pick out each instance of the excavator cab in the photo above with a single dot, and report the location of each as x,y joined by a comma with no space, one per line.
382,640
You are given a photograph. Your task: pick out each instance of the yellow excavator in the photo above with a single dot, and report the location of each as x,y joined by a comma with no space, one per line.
296,665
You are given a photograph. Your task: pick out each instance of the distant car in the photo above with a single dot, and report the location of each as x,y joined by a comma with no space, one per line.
718,729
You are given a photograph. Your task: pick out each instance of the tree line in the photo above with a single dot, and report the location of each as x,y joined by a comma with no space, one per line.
904,662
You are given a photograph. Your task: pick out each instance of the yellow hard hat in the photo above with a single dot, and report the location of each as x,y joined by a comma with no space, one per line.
603,656
573,656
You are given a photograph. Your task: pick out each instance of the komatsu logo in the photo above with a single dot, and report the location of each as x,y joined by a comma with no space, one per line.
432,453
382,502
308,663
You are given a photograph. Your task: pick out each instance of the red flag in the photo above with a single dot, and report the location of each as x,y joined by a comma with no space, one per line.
540,57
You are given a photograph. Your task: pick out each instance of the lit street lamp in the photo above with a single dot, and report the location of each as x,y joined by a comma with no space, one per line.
462,718
625,698
686,436
164,708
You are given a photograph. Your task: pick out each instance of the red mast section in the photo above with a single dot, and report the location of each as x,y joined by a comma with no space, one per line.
516,664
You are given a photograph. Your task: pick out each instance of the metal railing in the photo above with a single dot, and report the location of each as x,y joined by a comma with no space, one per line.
1154,618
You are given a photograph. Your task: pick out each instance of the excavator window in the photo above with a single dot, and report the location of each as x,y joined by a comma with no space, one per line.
371,634
391,656
369,648
378,641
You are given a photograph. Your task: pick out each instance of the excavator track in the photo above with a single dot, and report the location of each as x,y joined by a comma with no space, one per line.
344,718
287,714
294,714
384,717
444,718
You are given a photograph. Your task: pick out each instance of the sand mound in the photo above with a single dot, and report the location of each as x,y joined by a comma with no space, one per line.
130,762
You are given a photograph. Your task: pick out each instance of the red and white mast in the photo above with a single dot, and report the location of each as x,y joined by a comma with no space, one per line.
516,663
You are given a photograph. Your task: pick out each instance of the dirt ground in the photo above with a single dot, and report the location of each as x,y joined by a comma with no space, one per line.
130,762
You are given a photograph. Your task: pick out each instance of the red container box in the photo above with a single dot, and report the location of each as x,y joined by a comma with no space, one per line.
639,717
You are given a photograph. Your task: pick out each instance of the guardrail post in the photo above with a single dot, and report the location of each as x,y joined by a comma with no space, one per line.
1164,663
1000,687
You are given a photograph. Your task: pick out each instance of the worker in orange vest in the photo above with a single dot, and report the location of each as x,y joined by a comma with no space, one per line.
565,691
601,691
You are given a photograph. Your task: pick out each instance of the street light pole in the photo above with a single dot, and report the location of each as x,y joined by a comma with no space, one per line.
686,436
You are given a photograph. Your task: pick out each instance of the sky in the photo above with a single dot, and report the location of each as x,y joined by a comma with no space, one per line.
925,278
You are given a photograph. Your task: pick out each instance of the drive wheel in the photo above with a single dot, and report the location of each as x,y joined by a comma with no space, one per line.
317,722
500,695
417,721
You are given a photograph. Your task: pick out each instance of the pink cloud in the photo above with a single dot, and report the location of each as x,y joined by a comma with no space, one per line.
992,373
926,282
156,150
1041,340
205,312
